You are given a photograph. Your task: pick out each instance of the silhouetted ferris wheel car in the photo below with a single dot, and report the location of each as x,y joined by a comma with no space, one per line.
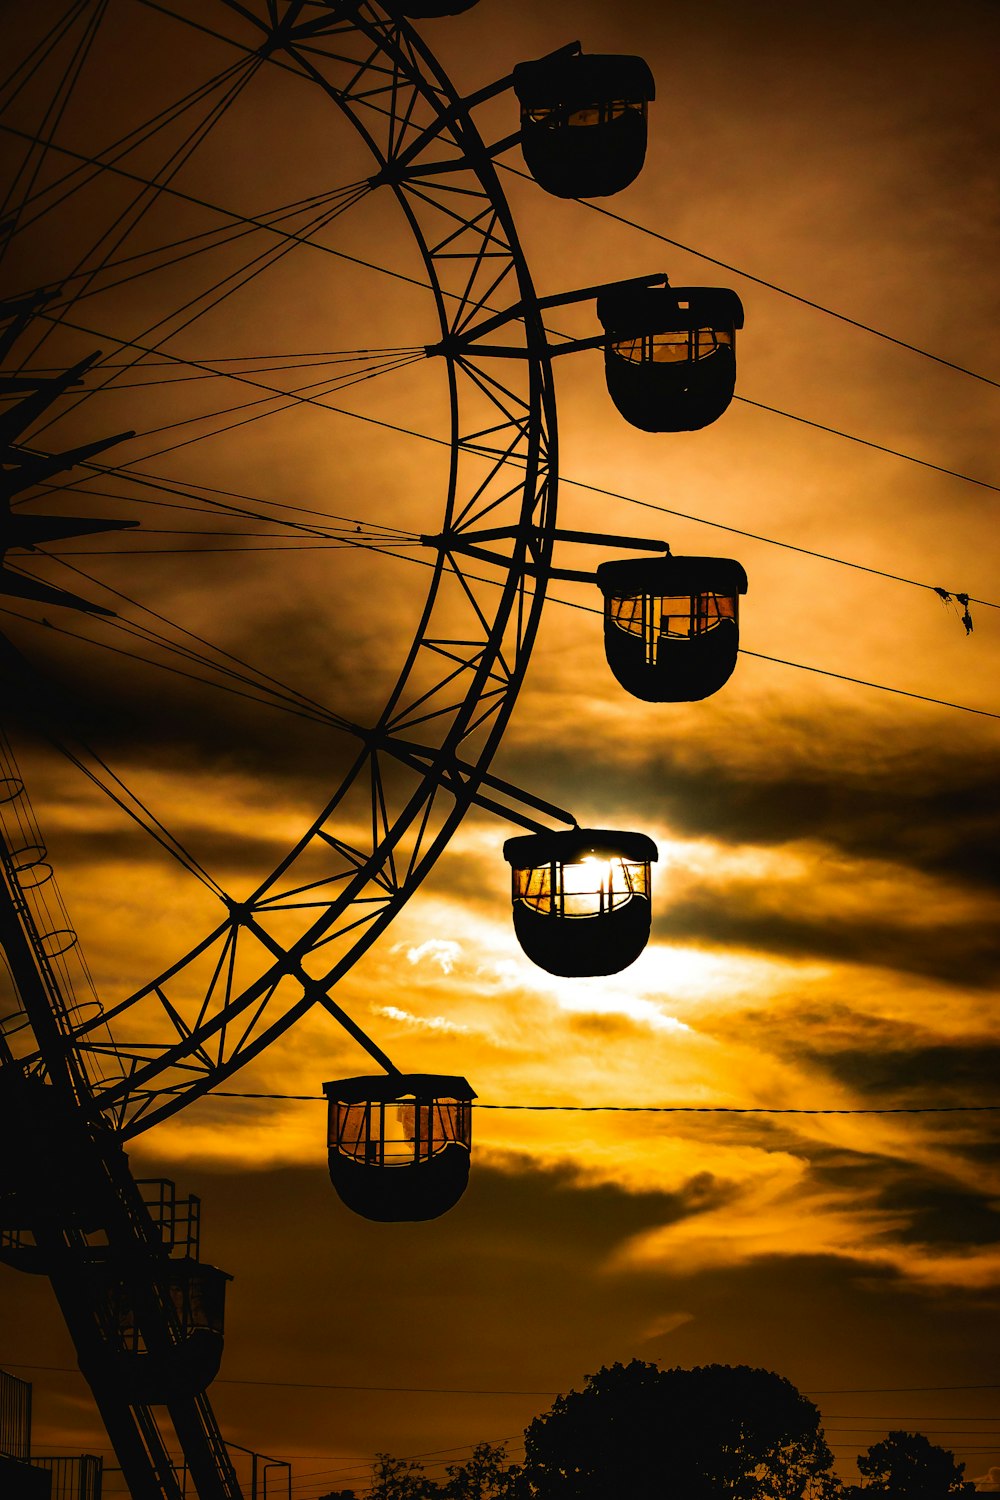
670,354
583,121
581,898
671,624
400,1144
197,1294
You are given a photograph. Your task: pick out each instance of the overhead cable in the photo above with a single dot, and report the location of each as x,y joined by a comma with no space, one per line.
386,551
293,397
772,286
671,1109
665,239
864,1390
262,223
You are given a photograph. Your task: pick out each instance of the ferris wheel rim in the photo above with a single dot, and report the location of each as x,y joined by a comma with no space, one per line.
535,530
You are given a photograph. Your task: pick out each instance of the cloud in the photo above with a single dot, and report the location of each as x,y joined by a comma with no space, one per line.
905,1059
907,798
659,1327
423,1023
782,1215
439,951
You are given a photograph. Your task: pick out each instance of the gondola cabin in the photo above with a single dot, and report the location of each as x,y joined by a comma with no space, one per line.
581,898
195,1293
400,1145
670,353
671,624
583,122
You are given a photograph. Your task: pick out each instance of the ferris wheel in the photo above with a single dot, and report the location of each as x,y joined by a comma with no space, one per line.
133,226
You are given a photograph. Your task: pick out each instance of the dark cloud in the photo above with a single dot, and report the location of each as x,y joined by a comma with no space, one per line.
962,953
944,1216
925,1206
854,163
905,1060
932,807
322,1296
137,715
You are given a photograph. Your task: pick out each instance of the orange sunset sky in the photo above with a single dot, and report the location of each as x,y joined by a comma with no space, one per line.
825,900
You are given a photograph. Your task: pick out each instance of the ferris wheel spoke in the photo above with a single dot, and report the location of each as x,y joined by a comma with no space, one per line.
28,66
231,1028
38,148
423,763
303,395
172,253
169,190
168,327
131,216
90,167
372,363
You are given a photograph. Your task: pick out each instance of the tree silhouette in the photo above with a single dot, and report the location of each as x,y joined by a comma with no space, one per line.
485,1476
399,1479
717,1430
908,1466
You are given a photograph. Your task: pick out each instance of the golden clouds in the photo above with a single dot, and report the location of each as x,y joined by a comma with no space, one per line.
826,905
689,1025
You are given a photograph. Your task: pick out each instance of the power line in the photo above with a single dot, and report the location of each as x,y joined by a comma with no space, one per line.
897,1390
771,286
929,1432
853,437
777,411
965,1447
881,687
832,1416
385,551
309,1385
665,239
771,541
667,1109
613,494
881,1390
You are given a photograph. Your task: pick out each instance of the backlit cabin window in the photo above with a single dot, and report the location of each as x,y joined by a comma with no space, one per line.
397,1134
586,889
657,619
674,347
555,116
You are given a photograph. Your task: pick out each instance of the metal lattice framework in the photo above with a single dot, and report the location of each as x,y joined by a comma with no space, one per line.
283,948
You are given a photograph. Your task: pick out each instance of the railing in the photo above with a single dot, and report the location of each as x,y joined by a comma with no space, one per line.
15,1417
44,920
260,1477
178,1219
74,1478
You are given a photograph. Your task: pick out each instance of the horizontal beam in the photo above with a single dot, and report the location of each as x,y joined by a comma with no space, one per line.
458,343
420,755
